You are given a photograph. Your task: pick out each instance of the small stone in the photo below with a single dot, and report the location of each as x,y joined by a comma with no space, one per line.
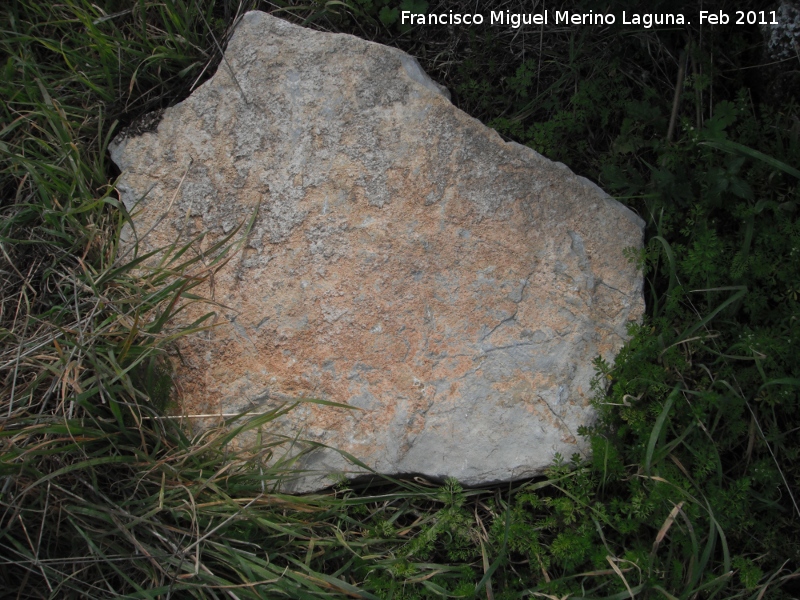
452,289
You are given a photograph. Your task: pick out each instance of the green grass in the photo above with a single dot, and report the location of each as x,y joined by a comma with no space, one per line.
692,490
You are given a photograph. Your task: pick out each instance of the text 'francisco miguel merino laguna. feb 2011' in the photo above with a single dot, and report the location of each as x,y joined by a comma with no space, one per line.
565,17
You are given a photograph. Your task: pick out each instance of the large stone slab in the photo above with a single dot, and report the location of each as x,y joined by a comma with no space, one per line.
452,288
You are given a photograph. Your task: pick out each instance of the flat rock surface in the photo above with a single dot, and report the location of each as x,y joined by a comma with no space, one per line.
452,288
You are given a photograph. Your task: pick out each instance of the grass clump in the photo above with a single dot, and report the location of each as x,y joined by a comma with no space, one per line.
692,488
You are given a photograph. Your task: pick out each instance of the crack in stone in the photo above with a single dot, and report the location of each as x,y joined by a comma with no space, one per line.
472,371
525,283
610,287
515,345
560,419
241,330
503,322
